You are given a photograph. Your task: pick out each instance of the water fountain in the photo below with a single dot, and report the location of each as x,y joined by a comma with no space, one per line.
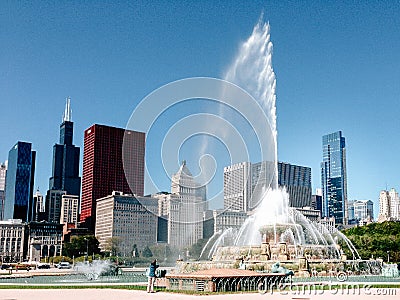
97,272
285,237
274,232
97,268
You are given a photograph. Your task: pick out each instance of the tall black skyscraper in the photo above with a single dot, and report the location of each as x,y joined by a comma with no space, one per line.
65,172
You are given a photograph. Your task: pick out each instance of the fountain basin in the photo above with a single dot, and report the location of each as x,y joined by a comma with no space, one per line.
224,280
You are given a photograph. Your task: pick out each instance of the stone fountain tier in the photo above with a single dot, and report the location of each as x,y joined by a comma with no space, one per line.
274,252
304,260
275,233
302,267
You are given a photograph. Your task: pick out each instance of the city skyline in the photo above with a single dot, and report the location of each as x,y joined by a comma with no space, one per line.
107,57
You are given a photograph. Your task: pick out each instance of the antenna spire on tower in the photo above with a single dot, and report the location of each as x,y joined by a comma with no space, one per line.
68,112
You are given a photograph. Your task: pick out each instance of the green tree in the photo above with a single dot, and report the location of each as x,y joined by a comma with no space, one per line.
135,251
376,240
161,251
112,245
195,249
79,245
147,252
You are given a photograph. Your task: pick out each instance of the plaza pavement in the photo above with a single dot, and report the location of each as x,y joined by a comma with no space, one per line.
109,294
119,294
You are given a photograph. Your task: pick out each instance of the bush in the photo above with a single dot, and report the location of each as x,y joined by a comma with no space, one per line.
57,259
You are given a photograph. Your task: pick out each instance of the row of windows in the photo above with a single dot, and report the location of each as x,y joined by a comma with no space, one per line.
10,233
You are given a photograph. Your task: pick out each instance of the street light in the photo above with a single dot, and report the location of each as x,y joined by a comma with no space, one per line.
87,248
388,255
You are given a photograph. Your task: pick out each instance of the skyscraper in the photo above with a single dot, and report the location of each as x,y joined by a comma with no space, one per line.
3,172
38,207
185,209
363,210
237,187
65,170
394,204
334,177
246,183
19,182
69,209
261,177
104,170
297,181
384,206
53,205
389,206
316,200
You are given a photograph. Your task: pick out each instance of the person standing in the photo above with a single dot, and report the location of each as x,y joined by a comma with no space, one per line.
152,276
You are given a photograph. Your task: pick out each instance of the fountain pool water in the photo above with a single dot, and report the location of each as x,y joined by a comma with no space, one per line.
99,273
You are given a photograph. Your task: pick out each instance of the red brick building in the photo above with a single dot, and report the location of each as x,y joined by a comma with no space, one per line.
113,160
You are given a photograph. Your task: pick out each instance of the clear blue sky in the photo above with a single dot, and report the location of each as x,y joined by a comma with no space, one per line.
337,65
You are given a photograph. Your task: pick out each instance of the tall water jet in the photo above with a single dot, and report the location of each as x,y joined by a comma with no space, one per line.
252,70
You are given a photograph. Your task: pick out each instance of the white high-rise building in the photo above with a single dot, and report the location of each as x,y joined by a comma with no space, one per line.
394,204
184,209
384,206
389,206
3,172
237,187
69,209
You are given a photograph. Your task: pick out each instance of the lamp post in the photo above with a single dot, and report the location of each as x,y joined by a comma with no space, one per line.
388,256
87,248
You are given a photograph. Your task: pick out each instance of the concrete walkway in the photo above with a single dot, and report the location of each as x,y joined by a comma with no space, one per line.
109,294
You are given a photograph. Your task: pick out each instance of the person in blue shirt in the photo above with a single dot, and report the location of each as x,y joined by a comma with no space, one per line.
152,276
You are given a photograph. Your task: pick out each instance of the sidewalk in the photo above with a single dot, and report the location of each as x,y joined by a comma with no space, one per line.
109,294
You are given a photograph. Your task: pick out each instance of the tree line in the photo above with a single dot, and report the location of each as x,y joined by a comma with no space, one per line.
376,240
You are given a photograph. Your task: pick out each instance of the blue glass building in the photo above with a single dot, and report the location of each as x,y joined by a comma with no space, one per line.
65,169
19,182
334,177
